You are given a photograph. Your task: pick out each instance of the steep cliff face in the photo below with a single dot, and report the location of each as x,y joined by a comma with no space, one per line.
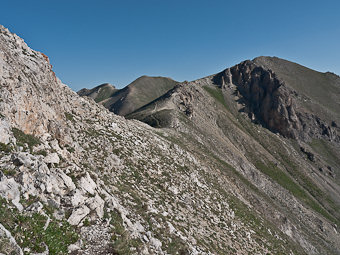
33,99
266,98
269,101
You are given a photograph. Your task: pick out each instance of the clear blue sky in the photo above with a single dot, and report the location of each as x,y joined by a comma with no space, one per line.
92,42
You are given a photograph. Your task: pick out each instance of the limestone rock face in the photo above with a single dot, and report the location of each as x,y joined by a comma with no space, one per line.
78,215
267,98
5,132
52,158
8,243
9,189
34,99
269,101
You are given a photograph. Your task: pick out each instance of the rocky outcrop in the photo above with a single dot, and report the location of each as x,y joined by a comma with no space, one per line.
265,97
270,102
8,243
33,99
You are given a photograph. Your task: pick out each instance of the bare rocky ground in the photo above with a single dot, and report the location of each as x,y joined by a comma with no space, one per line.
78,179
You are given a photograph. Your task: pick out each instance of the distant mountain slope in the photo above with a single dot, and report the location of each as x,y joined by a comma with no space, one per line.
99,93
137,94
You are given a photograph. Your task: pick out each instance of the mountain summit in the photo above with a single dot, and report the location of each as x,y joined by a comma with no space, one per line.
245,161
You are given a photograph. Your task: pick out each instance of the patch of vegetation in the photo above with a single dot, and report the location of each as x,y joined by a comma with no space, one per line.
8,172
58,236
28,230
92,132
49,208
158,119
5,147
88,121
86,222
281,178
69,148
27,202
313,190
285,181
177,246
295,180
74,178
69,116
23,139
41,152
122,243
217,94
86,166
324,149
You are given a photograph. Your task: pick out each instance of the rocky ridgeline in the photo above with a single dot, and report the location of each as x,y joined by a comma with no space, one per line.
75,178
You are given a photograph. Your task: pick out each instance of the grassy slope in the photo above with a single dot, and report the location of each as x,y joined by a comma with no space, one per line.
99,93
139,93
